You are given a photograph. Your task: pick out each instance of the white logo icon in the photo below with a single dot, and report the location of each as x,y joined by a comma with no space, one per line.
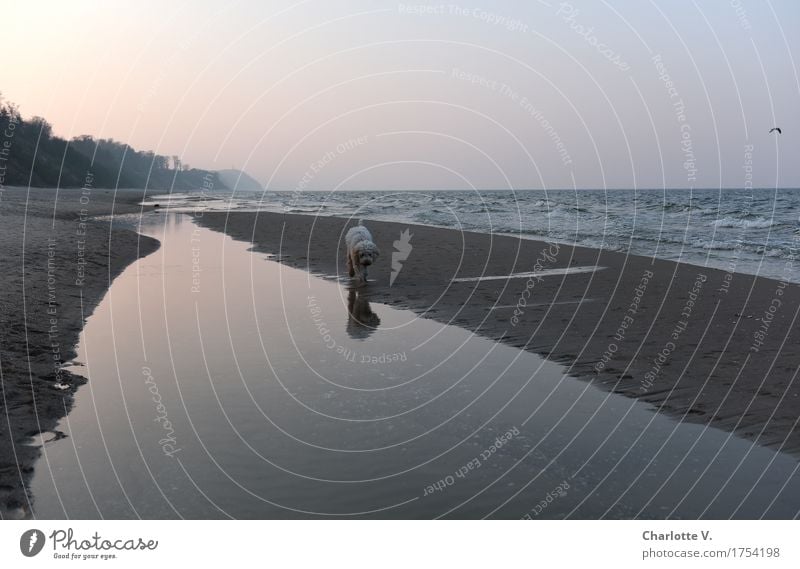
31,542
403,249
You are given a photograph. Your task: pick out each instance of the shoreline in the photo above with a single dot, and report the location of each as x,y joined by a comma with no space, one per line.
697,227
690,341
58,263
425,418
703,345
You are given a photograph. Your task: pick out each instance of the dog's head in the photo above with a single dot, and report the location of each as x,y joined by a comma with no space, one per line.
367,253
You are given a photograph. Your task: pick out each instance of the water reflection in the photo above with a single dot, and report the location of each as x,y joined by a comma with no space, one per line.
223,384
361,320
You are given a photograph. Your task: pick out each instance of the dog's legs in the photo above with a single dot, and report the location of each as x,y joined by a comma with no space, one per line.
355,271
350,268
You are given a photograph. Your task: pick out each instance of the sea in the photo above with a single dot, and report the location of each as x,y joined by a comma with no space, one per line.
753,231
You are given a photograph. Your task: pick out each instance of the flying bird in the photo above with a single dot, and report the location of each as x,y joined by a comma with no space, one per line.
776,128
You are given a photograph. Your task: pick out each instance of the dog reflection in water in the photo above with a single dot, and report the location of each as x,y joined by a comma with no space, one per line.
361,320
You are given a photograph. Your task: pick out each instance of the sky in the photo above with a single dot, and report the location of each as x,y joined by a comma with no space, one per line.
378,95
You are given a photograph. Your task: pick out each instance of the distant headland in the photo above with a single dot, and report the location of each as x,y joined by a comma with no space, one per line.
30,155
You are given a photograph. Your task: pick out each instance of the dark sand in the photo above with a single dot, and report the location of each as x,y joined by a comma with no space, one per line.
703,352
708,372
43,309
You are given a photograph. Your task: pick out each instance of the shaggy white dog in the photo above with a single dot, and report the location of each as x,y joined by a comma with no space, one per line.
361,251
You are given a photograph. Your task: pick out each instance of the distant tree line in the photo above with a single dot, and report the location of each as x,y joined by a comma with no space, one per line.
31,155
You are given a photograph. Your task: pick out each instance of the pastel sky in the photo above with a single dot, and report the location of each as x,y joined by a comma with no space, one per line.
365,94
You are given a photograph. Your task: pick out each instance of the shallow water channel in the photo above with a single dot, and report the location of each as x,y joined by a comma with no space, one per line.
223,383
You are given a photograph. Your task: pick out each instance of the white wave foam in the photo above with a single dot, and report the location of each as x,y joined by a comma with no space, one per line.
758,223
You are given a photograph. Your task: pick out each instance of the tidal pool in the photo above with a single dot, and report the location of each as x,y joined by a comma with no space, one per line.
223,383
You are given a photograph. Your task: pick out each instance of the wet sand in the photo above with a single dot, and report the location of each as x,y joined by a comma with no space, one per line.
223,384
56,265
703,345
707,346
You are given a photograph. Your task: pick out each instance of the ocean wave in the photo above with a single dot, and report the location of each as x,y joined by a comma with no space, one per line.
673,226
714,245
679,207
756,223
775,252
296,209
489,209
604,245
524,231
567,210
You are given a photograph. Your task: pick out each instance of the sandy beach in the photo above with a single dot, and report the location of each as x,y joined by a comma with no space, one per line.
222,383
56,264
706,346
701,345
382,261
